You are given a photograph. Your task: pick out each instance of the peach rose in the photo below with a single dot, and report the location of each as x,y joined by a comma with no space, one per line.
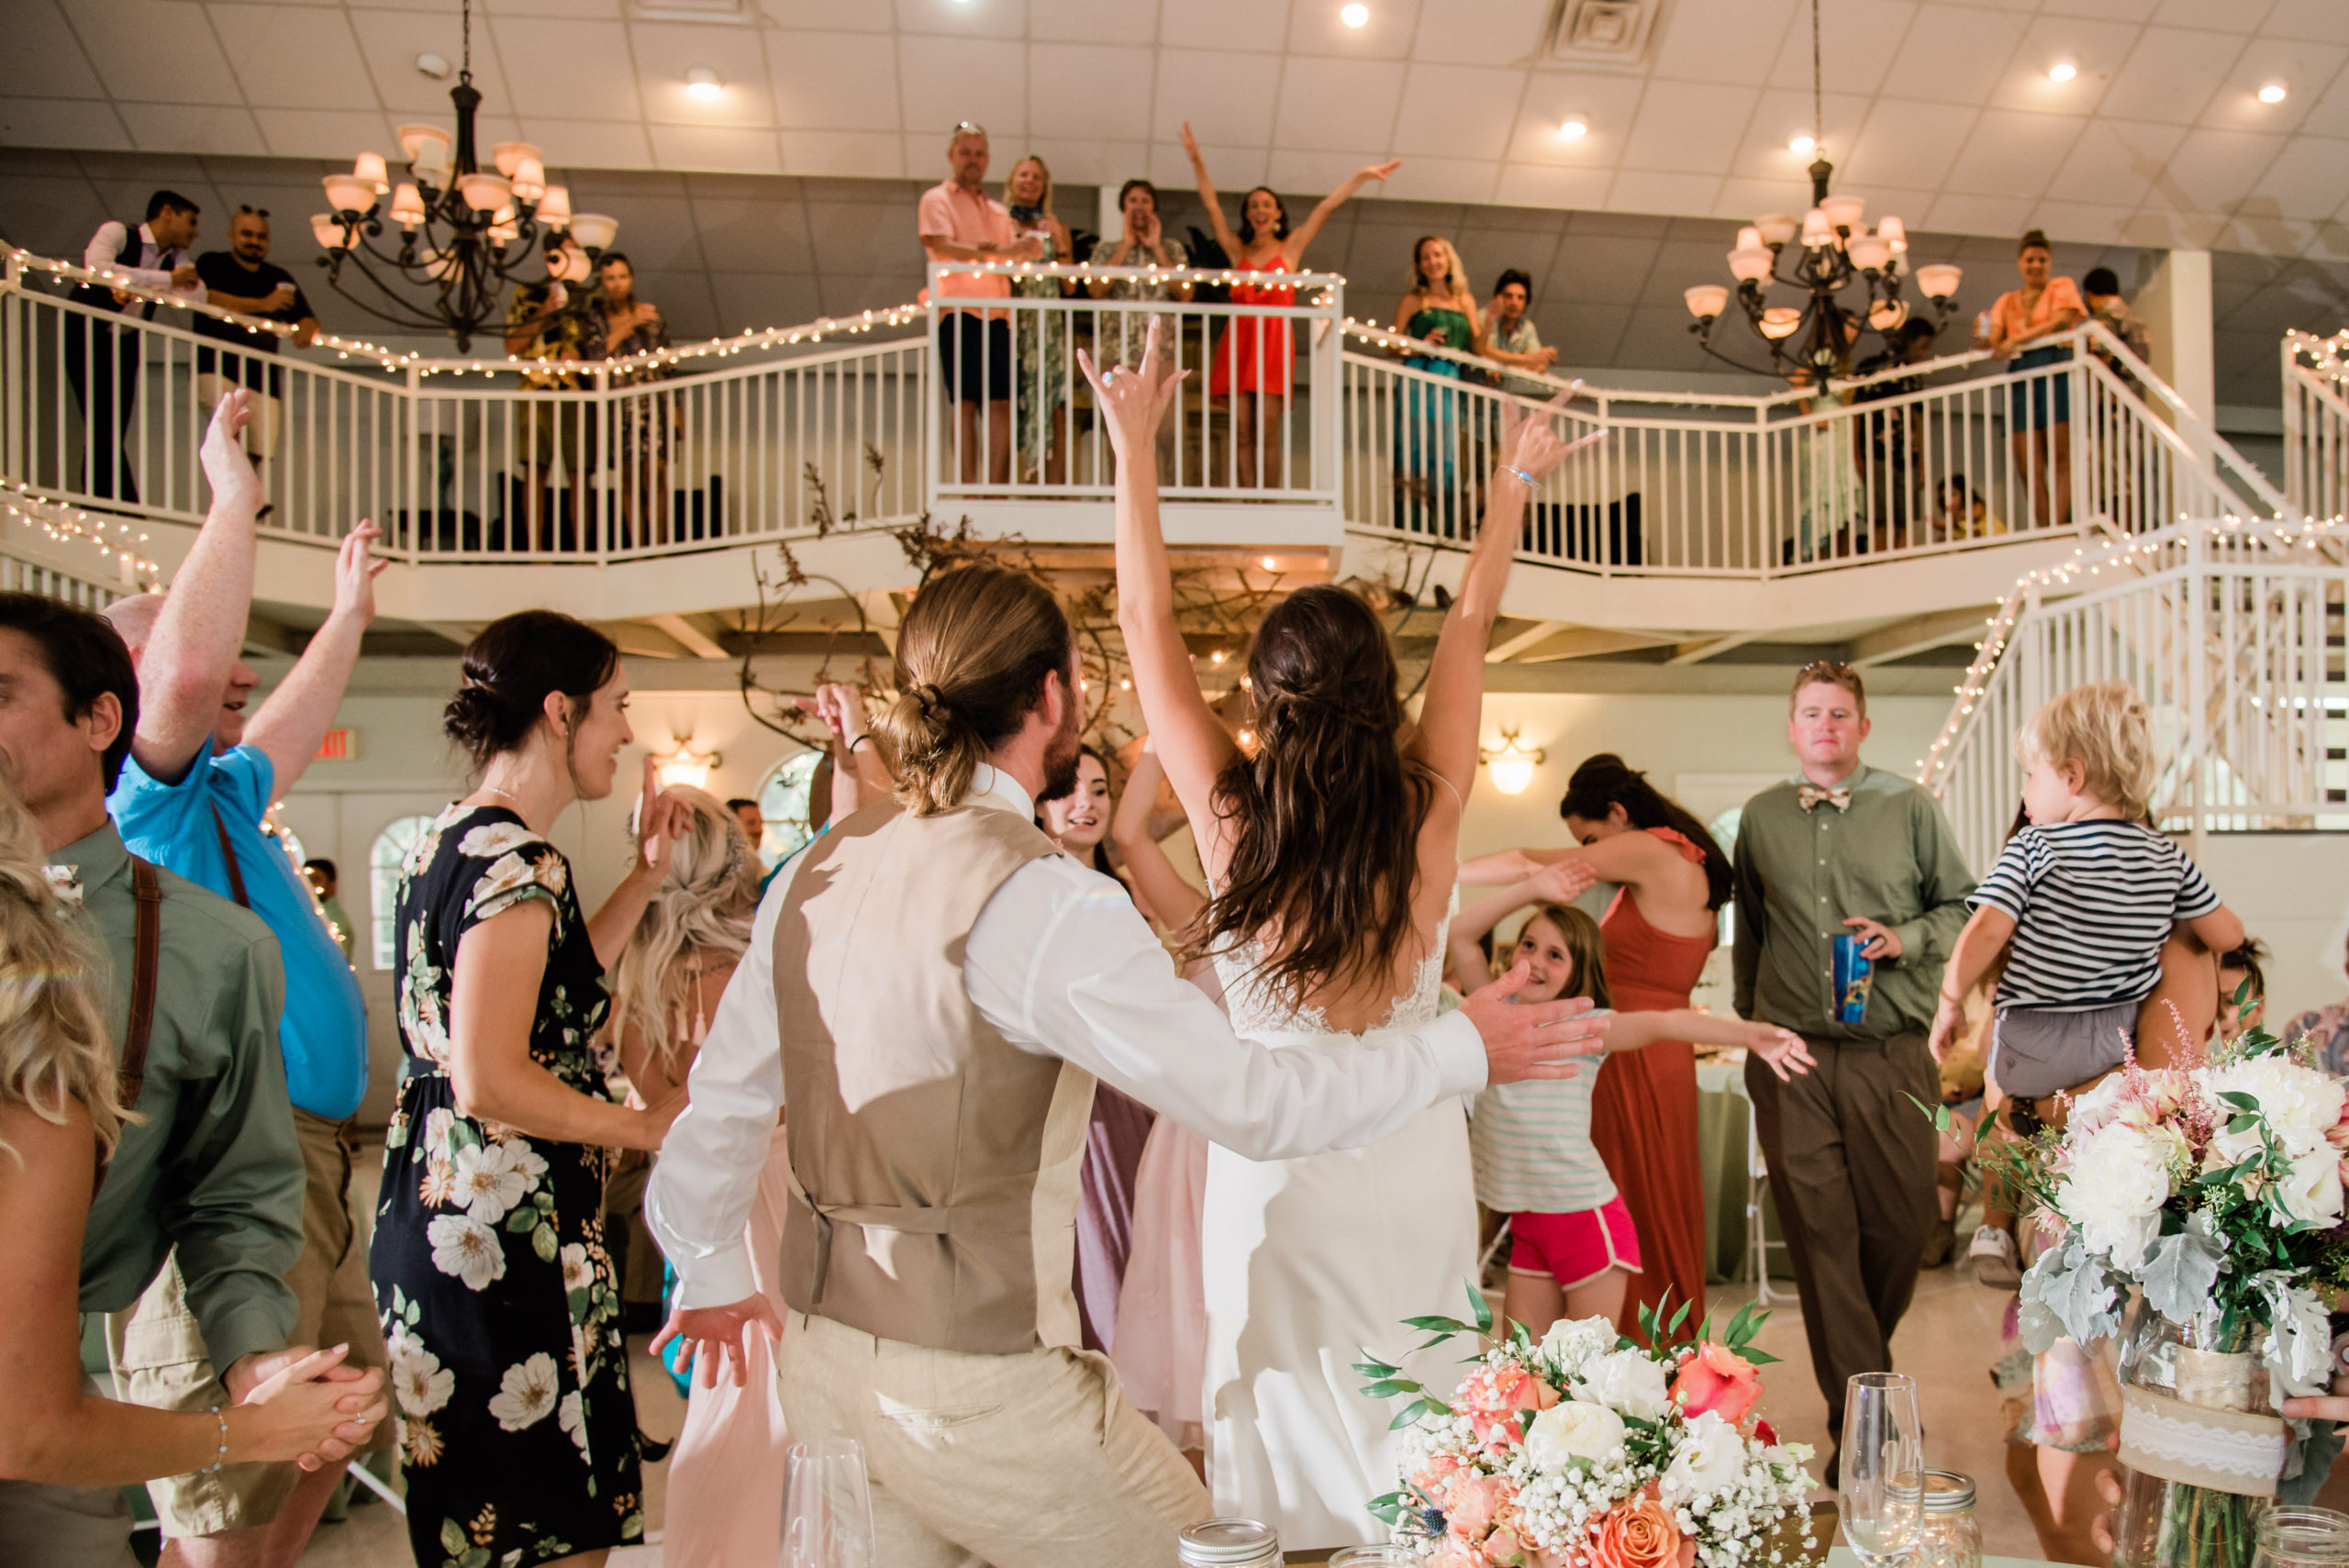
1495,1395
1716,1378
1452,1554
1638,1534
1474,1505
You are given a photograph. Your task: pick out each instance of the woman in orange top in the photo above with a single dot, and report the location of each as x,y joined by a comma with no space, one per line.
1253,357
2039,418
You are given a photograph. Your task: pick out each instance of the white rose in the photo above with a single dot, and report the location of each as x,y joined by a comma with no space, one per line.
1571,1429
2117,1184
2313,1192
1630,1381
2300,1103
1710,1456
1572,1341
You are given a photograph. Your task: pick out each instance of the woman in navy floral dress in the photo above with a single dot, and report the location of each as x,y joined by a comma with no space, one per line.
498,1299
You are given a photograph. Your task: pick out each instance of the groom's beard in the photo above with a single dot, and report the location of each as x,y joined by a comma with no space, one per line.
1060,758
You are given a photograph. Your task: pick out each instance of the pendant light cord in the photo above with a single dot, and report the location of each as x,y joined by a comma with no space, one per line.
1818,113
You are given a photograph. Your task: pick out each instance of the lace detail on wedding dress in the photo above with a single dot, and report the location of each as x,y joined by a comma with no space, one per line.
1256,1009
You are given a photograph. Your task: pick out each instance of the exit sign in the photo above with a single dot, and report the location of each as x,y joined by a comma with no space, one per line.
340,745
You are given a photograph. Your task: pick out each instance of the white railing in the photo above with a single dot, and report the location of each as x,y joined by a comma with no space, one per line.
2231,632
2315,423
775,435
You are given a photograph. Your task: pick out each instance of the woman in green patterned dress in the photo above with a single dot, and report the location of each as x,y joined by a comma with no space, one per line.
1039,337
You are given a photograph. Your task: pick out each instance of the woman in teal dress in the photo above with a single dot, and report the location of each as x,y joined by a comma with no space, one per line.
1441,312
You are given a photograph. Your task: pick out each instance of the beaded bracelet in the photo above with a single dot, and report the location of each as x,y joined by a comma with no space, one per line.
1521,476
223,1456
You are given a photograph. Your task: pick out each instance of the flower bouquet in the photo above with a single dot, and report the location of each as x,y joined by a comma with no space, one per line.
1587,1450
2215,1189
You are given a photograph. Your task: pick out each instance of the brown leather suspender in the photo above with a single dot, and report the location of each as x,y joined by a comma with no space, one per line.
229,853
146,949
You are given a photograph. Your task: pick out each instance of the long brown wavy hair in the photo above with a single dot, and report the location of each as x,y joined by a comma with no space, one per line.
1326,816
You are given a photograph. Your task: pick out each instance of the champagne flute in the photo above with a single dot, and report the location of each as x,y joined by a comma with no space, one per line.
828,1507
1882,1495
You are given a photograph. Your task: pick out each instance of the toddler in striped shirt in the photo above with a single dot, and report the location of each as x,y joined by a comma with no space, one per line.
2080,901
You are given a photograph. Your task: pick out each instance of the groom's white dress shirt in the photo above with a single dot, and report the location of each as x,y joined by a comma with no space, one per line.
1062,964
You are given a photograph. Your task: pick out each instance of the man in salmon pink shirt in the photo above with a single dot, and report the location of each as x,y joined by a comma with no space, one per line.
960,222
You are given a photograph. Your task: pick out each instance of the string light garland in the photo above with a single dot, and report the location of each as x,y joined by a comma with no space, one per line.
2327,357
64,523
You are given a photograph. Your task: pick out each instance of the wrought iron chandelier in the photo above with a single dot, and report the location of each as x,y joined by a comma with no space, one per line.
1830,250
464,232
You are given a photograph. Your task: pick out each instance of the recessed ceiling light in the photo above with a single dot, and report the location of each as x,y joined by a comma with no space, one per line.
2061,71
1803,145
1354,16
433,65
2272,93
702,82
1575,128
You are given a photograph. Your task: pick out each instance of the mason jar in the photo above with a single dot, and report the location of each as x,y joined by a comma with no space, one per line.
1229,1543
2291,1536
1948,1536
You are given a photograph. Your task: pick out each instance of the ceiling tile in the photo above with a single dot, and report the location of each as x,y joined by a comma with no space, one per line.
1315,29
1721,42
1682,262
656,230
1980,215
1765,152
1480,33
337,134
291,56
665,51
2329,116
1657,336
2306,69
842,16
1457,111
64,122
866,237
1689,126
2136,12
2080,222
44,59
876,154
1584,334
1908,144
1337,106
2012,154
2115,163
1444,180
389,42
735,150
943,79
835,82
1089,21
1309,174
578,71
1228,98
2211,169
51,216
2320,21
1953,56
1531,184
2217,15
1093,91
1234,167
2096,49
589,144
1856,52
153,50
571,10
1608,106
2170,74
1648,190
1235,25
1088,162
2309,179
995,18
1487,253
756,302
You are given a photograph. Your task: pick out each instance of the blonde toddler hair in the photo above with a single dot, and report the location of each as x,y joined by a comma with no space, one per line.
53,1041
701,914
2105,728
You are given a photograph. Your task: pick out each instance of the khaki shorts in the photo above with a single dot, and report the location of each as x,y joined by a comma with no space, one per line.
157,1350
269,413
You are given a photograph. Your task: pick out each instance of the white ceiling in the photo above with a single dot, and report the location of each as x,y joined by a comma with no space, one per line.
1940,110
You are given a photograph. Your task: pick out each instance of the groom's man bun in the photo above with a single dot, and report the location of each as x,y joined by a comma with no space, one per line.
973,657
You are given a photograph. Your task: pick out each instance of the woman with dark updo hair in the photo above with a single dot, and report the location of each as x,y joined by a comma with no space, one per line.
1330,851
1660,928
497,1296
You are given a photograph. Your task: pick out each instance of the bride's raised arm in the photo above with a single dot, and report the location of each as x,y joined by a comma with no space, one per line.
1188,737
1452,712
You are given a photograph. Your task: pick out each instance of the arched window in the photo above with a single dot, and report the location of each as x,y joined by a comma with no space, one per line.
783,801
393,846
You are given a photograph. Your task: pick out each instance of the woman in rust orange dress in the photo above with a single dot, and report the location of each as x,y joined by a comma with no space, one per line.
1659,930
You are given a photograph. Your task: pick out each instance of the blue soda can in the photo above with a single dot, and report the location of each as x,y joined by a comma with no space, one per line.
1854,974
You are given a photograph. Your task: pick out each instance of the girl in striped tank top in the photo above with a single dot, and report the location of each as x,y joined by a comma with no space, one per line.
1573,1246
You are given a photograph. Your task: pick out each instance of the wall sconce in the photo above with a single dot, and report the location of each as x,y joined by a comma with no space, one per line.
1513,764
684,768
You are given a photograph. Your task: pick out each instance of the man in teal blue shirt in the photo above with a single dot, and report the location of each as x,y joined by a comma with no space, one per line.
191,796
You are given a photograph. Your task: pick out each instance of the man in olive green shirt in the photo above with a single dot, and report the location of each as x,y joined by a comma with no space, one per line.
1844,849
209,1170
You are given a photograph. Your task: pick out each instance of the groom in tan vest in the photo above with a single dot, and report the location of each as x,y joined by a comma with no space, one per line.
935,989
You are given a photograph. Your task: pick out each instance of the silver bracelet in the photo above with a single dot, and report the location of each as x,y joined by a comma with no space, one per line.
1522,477
222,1457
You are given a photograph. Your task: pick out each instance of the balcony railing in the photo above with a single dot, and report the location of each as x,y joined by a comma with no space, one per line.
1289,410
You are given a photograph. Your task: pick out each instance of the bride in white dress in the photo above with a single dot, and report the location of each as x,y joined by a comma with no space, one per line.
1331,851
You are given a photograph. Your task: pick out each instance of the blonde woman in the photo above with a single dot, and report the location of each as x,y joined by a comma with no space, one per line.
1039,337
61,1113
725,1478
1440,310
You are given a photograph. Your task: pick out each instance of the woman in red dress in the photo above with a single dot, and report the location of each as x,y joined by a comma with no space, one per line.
1253,359
1659,930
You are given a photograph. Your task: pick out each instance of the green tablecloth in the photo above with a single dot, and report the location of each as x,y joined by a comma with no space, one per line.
1723,1117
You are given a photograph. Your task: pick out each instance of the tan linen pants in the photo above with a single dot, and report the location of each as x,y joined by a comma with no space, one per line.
1851,1172
1034,1461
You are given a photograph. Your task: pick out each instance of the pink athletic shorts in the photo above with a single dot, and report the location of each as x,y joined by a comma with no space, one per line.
1574,1248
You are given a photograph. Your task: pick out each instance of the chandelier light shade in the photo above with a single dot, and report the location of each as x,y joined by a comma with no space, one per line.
1844,212
1895,232
1776,229
466,231
1938,282
1780,321
1706,300
1869,252
1751,266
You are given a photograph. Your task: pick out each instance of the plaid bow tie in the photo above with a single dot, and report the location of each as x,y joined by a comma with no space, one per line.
66,882
1808,797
